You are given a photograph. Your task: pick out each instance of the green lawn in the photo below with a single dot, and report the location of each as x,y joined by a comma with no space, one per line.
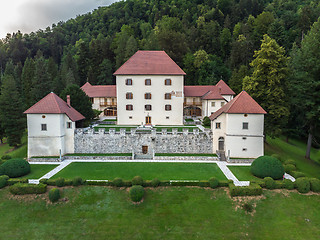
166,213
187,154
20,152
148,171
242,173
294,150
38,170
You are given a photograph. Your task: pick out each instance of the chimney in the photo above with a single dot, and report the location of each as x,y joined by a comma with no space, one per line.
219,89
68,100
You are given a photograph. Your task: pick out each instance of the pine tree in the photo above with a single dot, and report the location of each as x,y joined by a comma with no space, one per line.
27,82
11,117
268,83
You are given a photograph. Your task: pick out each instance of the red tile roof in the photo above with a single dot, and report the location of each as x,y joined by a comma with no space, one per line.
99,90
54,104
199,91
225,89
213,95
242,103
150,63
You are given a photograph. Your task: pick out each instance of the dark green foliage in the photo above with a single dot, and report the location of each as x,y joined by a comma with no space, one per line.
204,183
288,184
288,168
155,182
224,183
303,185
314,184
297,174
77,181
137,180
184,183
252,190
15,168
270,183
12,181
98,183
136,193
60,182
44,181
54,194
206,121
3,181
266,166
214,182
248,207
290,161
117,182
277,156
25,188
6,157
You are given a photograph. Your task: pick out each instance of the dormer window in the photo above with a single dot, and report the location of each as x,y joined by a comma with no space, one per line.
128,81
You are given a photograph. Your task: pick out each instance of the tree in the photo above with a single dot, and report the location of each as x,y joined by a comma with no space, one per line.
79,100
12,120
305,83
268,83
27,81
235,82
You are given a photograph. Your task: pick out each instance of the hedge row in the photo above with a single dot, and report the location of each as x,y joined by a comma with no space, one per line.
253,189
25,188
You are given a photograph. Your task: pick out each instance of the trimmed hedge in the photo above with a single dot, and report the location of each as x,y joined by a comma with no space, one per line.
155,182
60,182
314,184
25,188
15,168
270,183
76,181
267,166
3,181
252,190
288,184
136,193
288,168
118,182
12,181
297,174
290,161
303,185
54,194
137,180
214,182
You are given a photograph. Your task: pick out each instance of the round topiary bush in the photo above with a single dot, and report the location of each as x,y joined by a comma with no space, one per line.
213,182
315,185
137,180
266,166
155,182
270,183
288,168
303,185
15,168
117,182
136,193
54,194
288,184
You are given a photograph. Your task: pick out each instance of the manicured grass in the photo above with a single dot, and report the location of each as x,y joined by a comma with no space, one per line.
166,213
148,171
243,173
38,170
20,152
294,150
99,154
186,154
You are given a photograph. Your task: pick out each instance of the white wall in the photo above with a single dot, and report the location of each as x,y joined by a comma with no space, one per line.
228,97
217,133
208,109
244,147
157,89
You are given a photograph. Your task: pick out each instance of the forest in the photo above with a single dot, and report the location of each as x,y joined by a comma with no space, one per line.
270,48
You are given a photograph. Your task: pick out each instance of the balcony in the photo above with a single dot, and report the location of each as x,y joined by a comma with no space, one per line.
192,103
109,104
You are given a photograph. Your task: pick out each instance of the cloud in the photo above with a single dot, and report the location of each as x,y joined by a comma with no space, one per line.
32,15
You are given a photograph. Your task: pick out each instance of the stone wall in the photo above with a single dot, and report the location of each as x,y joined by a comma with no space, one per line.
90,141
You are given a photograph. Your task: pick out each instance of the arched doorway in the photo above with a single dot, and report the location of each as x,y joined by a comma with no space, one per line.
111,111
192,111
221,143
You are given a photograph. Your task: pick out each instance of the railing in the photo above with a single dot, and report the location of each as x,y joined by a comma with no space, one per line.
192,103
103,104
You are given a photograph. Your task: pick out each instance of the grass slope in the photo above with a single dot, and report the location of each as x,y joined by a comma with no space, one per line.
166,213
38,170
242,173
148,171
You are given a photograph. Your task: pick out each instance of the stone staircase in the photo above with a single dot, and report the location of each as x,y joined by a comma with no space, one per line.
143,156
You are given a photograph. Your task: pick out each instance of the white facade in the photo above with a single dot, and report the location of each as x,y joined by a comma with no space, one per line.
57,138
240,135
159,115
211,106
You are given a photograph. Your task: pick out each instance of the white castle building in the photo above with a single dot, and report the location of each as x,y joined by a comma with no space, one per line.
150,90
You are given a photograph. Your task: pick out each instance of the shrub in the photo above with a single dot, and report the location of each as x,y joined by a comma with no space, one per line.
297,174
290,161
248,207
184,183
117,182
136,193
206,121
6,157
303,185
314,184
3,181
270,184
252,190
204,184
98,183
277,156
76,181
288,168
12,181
224,183
266,166
25,188
155,182
213,182
288,184
44,180
54,194
15,168
137,180
60,182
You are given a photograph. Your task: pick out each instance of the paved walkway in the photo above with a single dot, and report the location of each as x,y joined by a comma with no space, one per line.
222,165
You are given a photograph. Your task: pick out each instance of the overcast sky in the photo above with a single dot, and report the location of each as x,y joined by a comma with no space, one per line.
32,15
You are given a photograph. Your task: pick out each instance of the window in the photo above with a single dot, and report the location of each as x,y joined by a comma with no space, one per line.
213,104
244,138
167,96
167,107
222,103
147,95
244,149
43,127
129,81
130,117
129,107
129,95
218,125
147,82
245,125
69,124
147,107
167,81
167,117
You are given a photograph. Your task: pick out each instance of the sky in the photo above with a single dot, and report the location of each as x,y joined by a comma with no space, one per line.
32,15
